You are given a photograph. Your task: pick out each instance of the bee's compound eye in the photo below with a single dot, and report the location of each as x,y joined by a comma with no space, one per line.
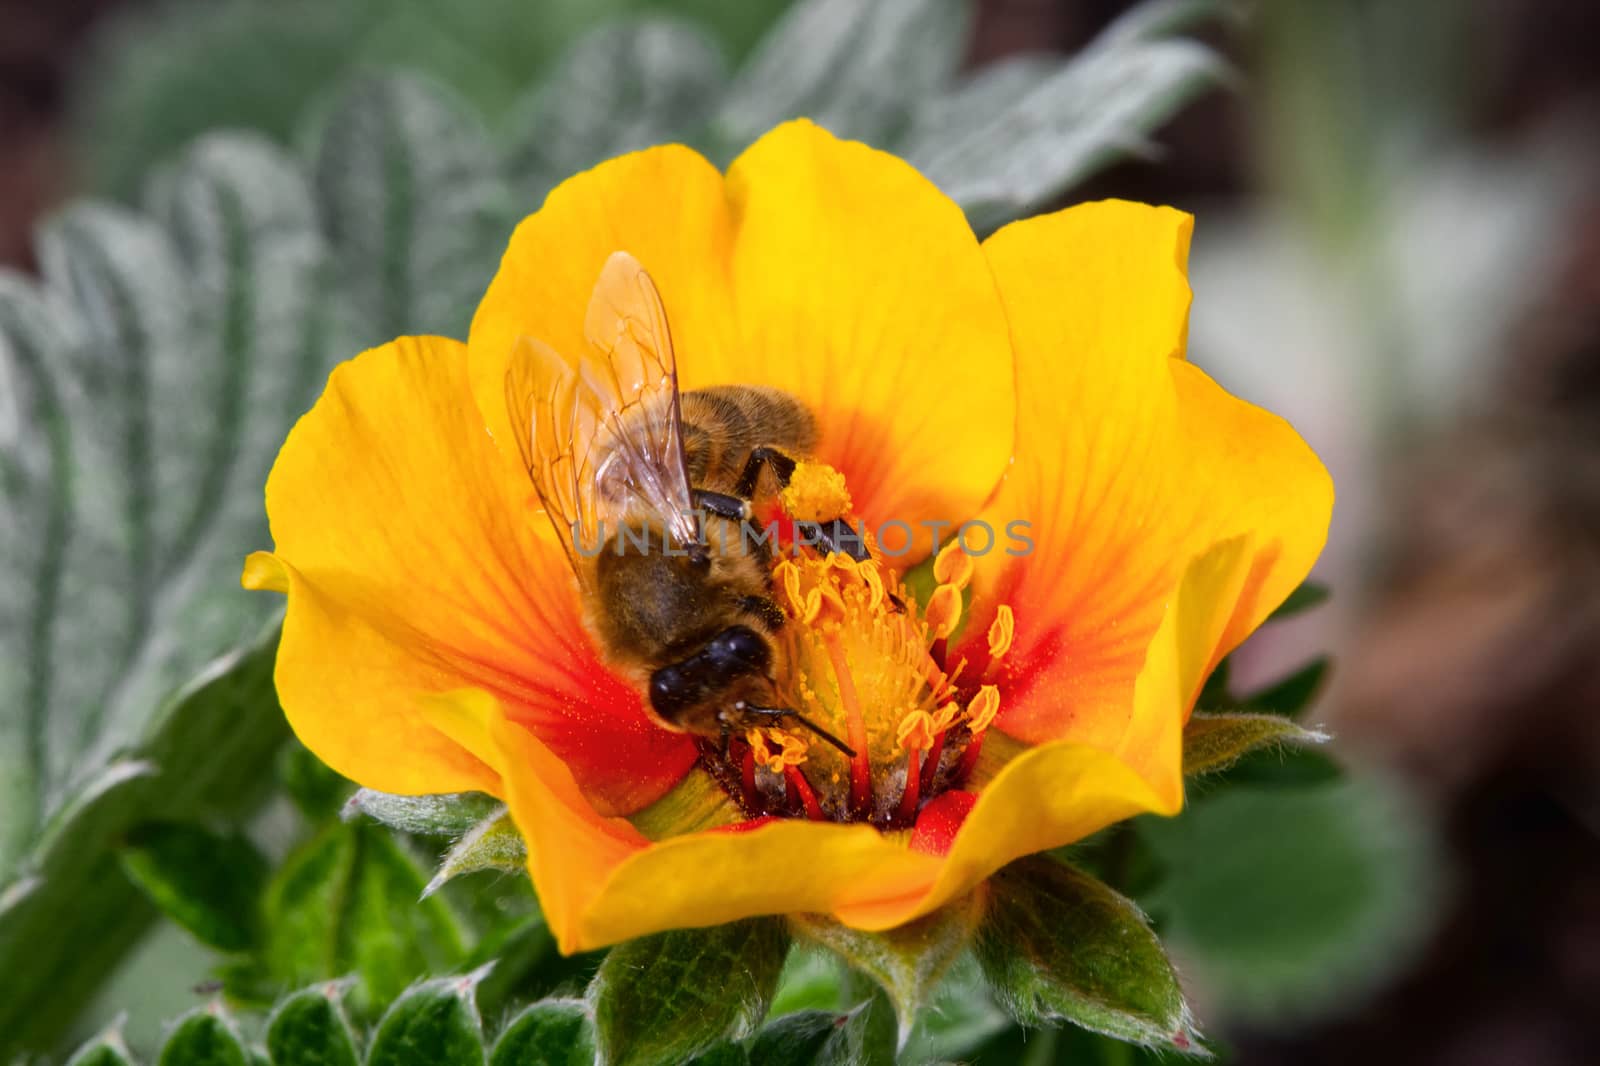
739,649
671,690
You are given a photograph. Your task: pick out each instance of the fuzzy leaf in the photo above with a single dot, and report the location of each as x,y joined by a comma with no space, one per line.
410,197
795,1039
1287,901
1213,742
149,380
204,1037
347,902
209,883
436,1022
664,998
493,844
618,89
310,1029
961,1016
1021,132
441,815
552,1032
867,1034
1058,945
908,961
107,1049
854,68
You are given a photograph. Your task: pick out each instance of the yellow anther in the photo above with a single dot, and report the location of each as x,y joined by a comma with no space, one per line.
984,706
793,750
875,591
945,717
760,751
1001,632
953,566
944,611
816,493
916,731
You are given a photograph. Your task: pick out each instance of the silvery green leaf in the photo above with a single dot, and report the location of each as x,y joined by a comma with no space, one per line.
620,88
156,368
1214,742
493,844
450,814
204,1037
1017,135
106,1049
854,66
551,1032
435,1022
410,197
309,1028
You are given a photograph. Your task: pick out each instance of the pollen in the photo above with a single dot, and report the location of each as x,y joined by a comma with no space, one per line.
816,493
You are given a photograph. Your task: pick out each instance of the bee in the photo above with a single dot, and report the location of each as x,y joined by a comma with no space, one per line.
639,481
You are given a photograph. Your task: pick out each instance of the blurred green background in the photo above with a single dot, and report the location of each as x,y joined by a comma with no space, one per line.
1397,248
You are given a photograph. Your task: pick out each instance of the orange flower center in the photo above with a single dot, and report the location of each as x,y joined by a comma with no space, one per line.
864,662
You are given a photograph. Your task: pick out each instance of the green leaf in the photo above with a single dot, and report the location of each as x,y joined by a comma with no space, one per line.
1285,902
961,1016
449,814
1057,945
664,998
618,89
410,197
867,1035
209,883
552,1032
436,1022
348,902
857,69
1294,693
1213,742
157,367
310,1029
795,1039
1021,132
493,844
204,1037
727,1053
107,1049
316,790
907,961
1307,595
812,979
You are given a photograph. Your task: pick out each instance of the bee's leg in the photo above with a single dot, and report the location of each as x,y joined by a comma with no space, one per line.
782,469
779,715
733,508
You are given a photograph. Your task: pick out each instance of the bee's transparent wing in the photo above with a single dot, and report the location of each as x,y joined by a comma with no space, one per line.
632,374
553,418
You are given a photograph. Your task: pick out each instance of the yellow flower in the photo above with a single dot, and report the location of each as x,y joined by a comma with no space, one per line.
435,641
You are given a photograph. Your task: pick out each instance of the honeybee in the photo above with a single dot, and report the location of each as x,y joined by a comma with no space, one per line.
639,482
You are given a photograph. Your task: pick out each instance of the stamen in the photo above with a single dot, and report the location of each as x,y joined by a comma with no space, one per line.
860,769
796,780
1001,632
944,611
953,566
984,706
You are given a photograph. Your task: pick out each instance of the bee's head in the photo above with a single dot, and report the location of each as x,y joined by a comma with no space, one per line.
731,666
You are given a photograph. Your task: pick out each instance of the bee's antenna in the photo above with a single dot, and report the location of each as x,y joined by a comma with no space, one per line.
781,713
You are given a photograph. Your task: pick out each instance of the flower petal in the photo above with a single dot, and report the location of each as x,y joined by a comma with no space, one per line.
860,287
1130,463
414,565
822,267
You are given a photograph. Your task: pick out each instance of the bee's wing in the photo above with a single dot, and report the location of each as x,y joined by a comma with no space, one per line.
633,376
553,418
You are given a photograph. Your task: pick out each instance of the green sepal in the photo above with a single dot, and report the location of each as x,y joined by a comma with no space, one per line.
1213,742
1058,945
1307,595
204,1037
908,960
107,1049
868,1035
725,1053
445,815
210,883
665,998
552,1032
435,1022
310,1029
493,844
